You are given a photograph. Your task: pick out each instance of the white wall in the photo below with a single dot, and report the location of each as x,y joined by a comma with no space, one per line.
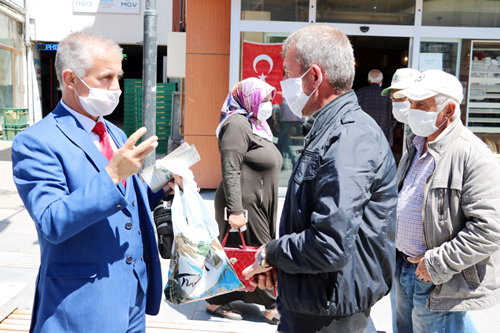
54,20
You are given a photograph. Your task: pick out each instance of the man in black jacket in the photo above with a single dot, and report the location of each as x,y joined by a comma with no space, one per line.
335,255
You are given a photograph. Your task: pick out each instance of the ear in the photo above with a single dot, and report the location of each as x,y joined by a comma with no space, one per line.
69,78
318,75
450,110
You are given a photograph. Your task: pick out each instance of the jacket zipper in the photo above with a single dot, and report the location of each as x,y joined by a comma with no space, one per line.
441,204
426,187
328,304
261,190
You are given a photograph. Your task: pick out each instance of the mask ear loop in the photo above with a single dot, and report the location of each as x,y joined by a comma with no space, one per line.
76,92
446,118
314,88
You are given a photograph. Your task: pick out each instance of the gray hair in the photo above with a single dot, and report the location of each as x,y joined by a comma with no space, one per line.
78,50
443,100
375,76
327,47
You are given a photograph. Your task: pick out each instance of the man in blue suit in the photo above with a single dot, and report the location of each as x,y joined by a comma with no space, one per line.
100,269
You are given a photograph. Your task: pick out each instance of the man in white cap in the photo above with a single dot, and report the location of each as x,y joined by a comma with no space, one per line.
403,78
448,214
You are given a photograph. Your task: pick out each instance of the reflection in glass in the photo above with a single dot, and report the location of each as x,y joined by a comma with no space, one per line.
6,79
461,13
17,35
5,31
397,12
484,93
275,10
444,52
19,86
286,127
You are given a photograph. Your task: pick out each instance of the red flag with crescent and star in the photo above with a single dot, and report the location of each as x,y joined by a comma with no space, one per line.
265,62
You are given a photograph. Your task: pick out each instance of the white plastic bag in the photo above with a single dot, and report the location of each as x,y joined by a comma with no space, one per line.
199,267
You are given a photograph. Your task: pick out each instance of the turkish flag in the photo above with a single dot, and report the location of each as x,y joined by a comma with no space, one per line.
265,62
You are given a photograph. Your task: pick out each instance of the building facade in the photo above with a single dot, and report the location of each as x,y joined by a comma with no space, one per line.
223,36
458,36
12,55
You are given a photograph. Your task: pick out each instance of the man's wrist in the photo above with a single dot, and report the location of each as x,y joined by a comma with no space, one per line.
271,247
113,175
262,258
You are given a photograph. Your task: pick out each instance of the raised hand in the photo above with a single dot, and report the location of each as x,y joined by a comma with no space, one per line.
128,159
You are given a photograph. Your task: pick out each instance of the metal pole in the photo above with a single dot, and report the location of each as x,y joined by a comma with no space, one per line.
149,75
29,61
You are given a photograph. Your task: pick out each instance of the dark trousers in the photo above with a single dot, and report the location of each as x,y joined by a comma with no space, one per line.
292,322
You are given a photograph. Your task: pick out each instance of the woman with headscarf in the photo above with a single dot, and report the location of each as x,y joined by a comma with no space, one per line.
251,166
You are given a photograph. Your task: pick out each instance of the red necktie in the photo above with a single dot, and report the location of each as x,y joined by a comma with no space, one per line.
106,149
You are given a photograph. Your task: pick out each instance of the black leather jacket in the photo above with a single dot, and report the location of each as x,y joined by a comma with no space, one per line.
336,253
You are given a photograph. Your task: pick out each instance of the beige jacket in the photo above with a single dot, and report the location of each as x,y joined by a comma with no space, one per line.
461,221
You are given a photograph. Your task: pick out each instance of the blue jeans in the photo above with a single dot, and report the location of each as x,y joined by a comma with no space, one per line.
412,315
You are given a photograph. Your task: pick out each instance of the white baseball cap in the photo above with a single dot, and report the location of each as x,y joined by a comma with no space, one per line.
433,82
403,78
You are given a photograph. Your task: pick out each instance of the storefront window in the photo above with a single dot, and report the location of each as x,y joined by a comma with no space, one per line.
11,64
5,31
461,13
261,57
6,79
17,35
397,12
275,10
483,117
439,55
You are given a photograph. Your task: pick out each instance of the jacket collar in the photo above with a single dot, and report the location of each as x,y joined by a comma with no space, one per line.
441,144
325,115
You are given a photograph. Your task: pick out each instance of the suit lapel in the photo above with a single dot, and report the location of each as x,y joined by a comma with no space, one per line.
74,131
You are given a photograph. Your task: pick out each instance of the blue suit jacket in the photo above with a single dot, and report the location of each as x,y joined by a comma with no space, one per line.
84,282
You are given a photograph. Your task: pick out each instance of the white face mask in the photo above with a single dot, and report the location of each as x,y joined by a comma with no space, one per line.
400,111
294,95
422,123
265,111
99,102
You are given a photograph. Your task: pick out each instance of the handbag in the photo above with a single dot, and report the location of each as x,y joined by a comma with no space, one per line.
162,215
240,257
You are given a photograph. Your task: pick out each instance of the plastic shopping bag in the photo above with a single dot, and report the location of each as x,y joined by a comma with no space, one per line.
199,267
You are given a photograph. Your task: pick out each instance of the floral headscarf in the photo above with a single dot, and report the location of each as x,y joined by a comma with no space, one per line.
245,98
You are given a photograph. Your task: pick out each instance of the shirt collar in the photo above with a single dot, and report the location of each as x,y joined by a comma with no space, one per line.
87,123
419,143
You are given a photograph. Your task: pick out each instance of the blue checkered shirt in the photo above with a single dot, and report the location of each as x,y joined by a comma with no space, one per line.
378,107
409,228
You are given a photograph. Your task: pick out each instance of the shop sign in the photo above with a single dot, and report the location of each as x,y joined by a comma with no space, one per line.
107,6
265,62
46,46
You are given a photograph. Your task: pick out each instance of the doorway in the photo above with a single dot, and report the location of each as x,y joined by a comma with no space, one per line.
386,54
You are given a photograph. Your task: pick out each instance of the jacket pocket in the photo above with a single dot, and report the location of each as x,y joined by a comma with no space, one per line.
72,270
307,166
441,205
443,209
471,277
